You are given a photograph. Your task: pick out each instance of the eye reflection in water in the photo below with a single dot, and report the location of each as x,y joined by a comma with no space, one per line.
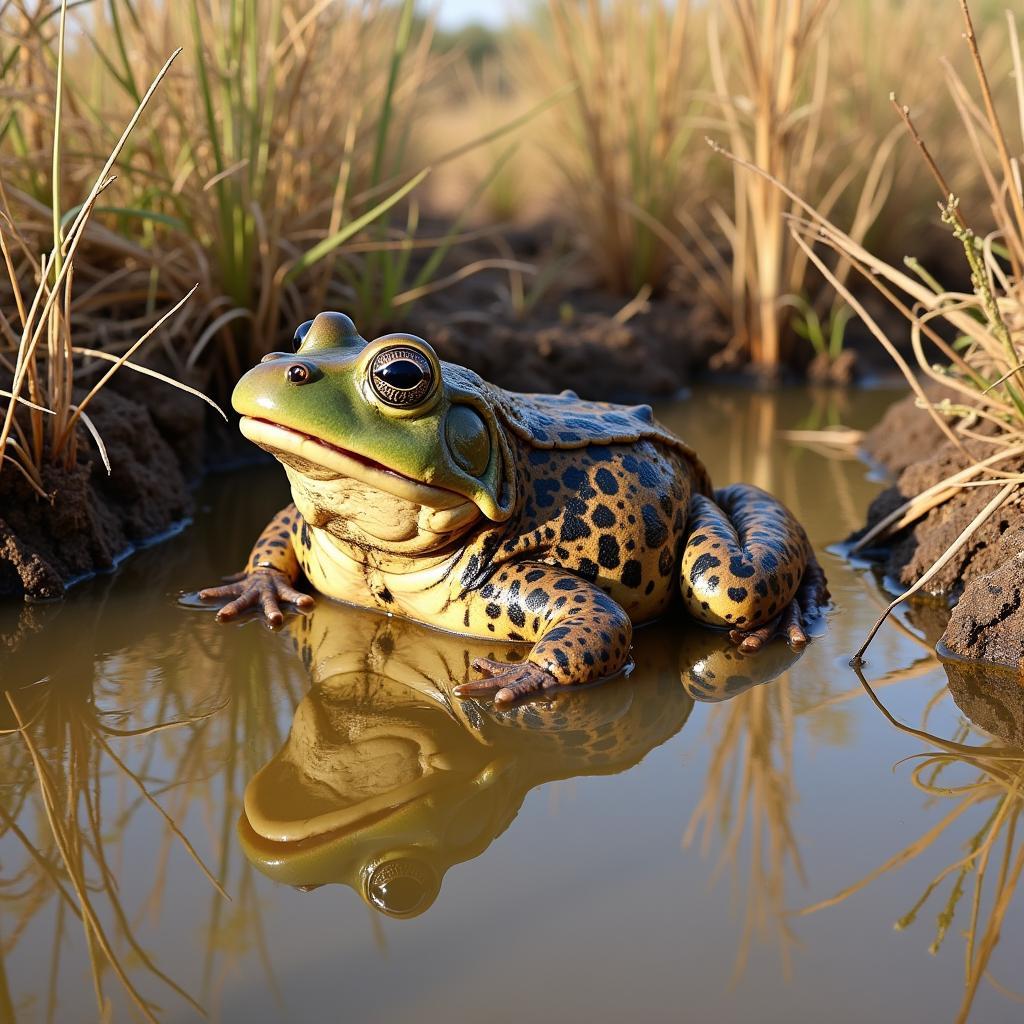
386,780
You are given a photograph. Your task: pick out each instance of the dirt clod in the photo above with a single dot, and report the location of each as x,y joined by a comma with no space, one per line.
987,623
90,518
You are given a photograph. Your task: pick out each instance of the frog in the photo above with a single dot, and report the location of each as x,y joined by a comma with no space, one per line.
422,491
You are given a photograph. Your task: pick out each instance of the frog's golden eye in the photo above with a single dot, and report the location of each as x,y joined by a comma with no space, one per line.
401,377
300,334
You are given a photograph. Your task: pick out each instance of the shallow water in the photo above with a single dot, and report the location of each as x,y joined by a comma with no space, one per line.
625,851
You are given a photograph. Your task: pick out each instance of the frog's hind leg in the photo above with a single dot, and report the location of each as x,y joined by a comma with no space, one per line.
749,567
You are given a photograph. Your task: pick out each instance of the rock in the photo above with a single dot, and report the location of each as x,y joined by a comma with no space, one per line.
987,623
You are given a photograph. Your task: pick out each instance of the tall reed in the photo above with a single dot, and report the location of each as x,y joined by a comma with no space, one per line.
983,368
621,142
283,134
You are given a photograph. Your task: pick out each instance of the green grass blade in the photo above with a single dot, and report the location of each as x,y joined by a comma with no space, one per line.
328,245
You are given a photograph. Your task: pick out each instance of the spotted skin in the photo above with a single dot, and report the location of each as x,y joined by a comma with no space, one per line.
745,558
275,547
589,518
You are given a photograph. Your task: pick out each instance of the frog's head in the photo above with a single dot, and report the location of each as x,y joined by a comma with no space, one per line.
384,445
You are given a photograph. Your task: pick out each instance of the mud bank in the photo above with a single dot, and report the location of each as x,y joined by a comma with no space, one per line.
91,519
985,578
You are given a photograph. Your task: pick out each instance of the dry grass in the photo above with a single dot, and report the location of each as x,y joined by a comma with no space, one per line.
621,142
510,174
983,366
280,164
283,133
42,415
771,69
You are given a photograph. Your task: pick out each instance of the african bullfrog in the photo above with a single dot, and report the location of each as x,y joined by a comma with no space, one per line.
386,781
423,491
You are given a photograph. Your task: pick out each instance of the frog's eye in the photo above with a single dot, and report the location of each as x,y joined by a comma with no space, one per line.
300,335
401,377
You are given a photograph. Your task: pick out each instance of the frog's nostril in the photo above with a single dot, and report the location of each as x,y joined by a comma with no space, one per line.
297,373
271,356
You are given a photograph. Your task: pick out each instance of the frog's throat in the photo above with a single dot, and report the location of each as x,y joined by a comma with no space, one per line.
292,446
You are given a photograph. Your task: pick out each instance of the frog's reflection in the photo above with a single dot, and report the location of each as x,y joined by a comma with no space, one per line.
387,780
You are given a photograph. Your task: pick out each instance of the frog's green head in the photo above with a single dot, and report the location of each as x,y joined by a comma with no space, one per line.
381,433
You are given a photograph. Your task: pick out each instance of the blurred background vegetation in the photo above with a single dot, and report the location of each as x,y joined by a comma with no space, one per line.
308,154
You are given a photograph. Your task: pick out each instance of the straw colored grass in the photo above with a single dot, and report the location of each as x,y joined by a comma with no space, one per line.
983,366
42,416
283,133
621,143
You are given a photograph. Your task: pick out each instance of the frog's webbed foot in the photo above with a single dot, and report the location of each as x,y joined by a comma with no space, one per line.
508,681
812,596
264,589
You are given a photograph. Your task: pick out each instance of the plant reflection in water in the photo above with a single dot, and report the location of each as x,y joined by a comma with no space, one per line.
979,788
357,766
89,753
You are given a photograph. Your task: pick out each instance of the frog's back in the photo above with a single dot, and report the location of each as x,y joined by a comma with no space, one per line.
567,422
605,495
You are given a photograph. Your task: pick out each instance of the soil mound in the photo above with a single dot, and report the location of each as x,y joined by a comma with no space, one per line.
908,555
653,354
90,519
986,576
903,435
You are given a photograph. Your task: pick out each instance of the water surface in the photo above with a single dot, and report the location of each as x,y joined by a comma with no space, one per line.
642,850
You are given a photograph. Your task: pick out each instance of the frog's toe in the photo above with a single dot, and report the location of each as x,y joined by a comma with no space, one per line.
264,589
508,681
789,625
750,641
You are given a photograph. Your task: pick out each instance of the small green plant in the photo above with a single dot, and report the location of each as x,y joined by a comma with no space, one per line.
827,334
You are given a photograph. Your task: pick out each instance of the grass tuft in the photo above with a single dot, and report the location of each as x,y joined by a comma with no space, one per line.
41,417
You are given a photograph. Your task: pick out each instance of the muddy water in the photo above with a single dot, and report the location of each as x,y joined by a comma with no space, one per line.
646,850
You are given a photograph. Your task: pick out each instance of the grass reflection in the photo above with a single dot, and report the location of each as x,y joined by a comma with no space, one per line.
103,759
968,781
65,740
747,800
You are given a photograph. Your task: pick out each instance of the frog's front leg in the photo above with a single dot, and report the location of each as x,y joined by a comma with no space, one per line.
579,633
748,566
269,576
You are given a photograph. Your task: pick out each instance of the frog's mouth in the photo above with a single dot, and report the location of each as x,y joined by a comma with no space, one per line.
321,460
